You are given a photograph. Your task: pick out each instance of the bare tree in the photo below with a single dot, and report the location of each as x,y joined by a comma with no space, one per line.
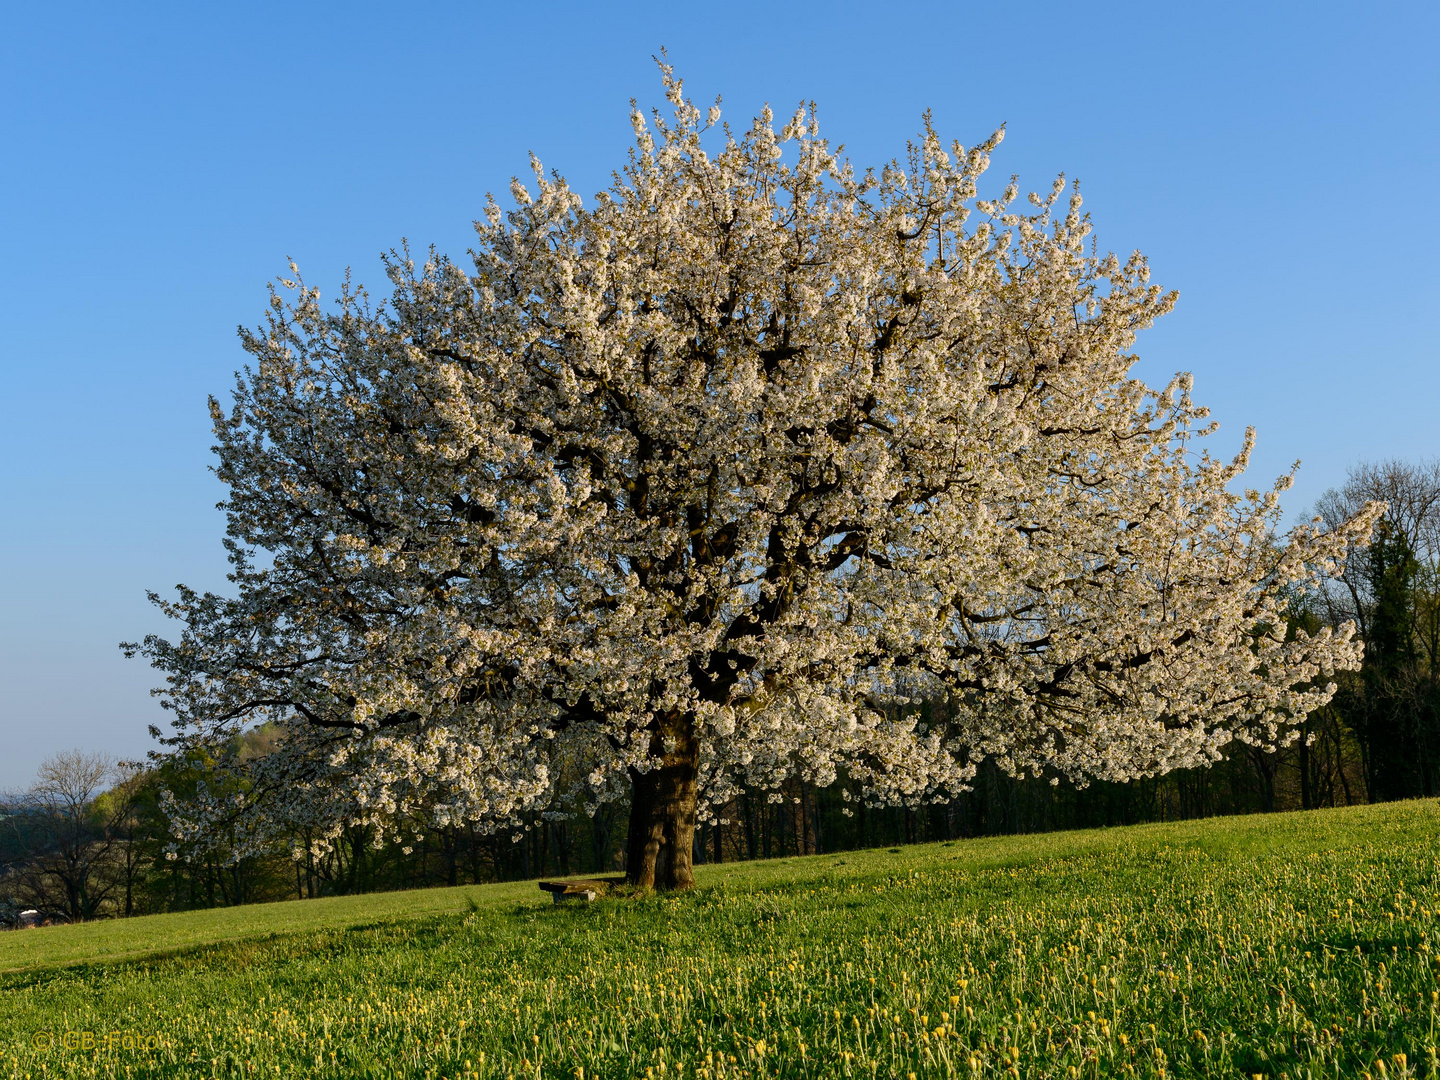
1393,595
1411,494
69,835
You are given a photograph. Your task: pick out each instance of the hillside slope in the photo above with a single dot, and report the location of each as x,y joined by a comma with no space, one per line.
1270,945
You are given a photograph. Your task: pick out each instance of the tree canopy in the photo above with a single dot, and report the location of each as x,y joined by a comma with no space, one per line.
690,489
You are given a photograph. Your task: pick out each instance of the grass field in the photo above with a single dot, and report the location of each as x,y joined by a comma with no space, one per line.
1300,945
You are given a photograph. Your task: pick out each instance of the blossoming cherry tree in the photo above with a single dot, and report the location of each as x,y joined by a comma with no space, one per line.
692,489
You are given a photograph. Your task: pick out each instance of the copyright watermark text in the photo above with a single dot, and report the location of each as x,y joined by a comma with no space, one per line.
92,1040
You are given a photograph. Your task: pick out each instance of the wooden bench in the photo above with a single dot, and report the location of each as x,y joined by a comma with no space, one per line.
586,890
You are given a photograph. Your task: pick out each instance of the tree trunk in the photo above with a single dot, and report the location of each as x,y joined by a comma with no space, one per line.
661,841
747,818
562,848
600,825
1307,798
449,849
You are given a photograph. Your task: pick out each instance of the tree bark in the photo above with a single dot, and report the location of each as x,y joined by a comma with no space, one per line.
1303,748
661,842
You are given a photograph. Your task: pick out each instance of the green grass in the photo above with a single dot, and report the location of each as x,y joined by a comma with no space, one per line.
1299,945
153,935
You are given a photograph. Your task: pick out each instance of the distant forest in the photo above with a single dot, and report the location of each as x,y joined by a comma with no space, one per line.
88,840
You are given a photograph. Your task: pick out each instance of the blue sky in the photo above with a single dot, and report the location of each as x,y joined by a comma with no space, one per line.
1276,162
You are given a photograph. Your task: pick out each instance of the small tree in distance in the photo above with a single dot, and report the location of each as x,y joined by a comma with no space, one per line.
684,492
70,828
1392,592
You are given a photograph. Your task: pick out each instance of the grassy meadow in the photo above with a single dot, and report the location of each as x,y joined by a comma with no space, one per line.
1301,945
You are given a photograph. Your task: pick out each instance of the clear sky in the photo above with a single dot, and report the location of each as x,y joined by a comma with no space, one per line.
159,164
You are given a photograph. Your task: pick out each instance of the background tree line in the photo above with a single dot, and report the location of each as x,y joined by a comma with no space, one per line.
89,838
